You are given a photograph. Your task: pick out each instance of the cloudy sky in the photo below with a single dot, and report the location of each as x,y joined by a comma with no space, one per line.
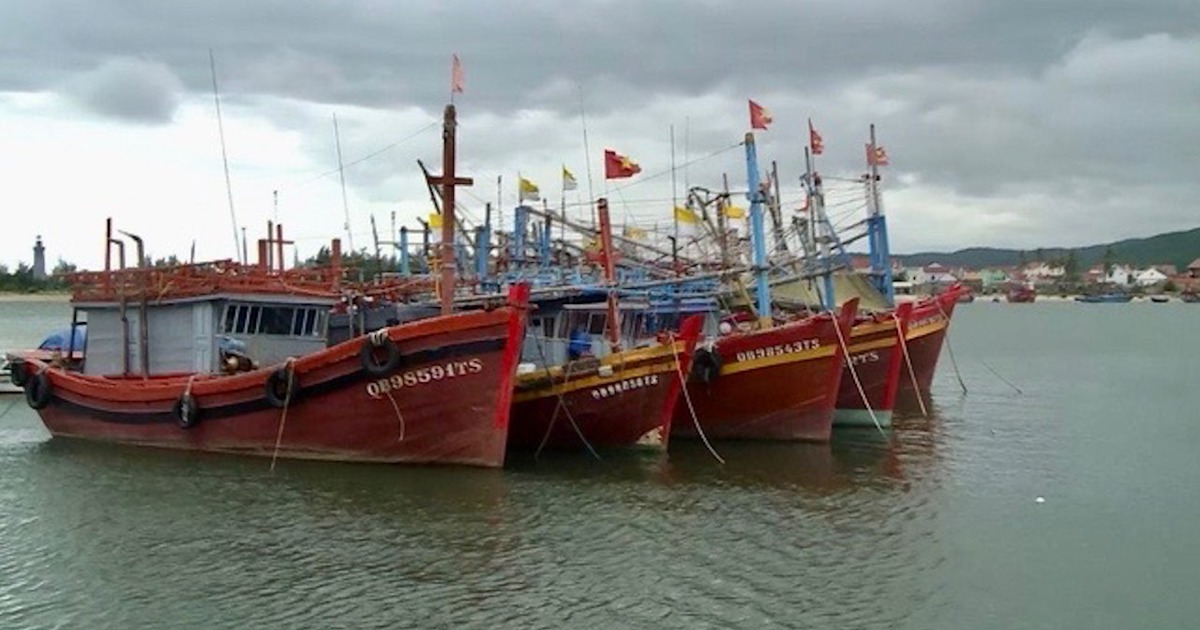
1008,122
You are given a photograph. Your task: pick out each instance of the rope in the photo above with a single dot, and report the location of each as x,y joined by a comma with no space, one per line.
283,418
950,348
10,407
1006,381
908,360
837,325
187,394
399,416
561,404
688,399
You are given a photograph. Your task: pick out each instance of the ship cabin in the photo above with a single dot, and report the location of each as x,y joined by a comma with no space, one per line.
567,328
206,334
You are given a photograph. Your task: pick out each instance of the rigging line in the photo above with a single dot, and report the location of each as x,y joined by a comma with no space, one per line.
237,248
363,158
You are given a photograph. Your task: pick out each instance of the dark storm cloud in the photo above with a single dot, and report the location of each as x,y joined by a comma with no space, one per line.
1066,105
128,89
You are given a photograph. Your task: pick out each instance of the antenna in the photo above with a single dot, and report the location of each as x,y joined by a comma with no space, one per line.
212,64
337,138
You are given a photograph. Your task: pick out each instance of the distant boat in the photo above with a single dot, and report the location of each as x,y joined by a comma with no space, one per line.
1021,295
1189,297
1159,299
1104,298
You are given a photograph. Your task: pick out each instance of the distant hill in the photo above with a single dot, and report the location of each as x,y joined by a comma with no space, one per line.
1173,248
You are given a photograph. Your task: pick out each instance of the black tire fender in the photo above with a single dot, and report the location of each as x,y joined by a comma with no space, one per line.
281,387
369,356
706,365
38,390
18,372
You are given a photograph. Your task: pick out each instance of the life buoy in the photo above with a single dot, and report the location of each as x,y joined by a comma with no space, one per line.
706,365
18,373
186,411
281,387
370,355
38,390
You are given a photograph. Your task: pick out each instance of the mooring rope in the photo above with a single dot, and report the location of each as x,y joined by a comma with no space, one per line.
283,418
560,404
10,407
837,326
688,399
950,348
1006,381
908,360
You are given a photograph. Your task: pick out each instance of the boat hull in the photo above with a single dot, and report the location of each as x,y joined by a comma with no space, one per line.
617,401
871,378
447,402
928,323
775,384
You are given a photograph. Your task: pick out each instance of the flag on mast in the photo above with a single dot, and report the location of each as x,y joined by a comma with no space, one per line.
876,156
617,166
527,190
569,182
688,220
814,140
456,75
760,116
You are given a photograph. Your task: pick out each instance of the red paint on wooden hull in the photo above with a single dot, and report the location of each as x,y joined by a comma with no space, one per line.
638,398
877,360
450,406
770,395
928,324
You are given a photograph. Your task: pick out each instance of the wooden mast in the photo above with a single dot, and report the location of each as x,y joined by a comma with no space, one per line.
613,327
448,180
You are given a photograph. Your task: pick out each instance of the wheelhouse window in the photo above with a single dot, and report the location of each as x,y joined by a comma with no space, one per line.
255,319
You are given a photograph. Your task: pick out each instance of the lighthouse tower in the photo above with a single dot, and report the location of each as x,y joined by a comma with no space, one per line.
39,260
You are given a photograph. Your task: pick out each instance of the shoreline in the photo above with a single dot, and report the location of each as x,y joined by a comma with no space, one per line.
60,297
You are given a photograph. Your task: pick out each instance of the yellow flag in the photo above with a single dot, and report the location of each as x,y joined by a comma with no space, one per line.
435,227
735,212
528,191
635,232
569,182
686,215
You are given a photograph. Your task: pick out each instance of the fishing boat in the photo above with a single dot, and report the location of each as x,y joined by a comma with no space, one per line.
54,349
1021,294
776,383
762,378
927,327
871,376
598,374
1104,298
1159,299
236,358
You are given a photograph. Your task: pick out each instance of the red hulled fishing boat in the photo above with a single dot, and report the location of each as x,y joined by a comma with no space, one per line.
617,399
867,395
236,358
778,383
927,327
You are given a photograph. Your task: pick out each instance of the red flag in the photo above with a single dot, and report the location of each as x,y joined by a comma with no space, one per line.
876,156
814,140
617,166
760,116
456,75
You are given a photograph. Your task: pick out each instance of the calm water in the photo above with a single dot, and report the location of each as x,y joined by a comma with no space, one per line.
935,527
